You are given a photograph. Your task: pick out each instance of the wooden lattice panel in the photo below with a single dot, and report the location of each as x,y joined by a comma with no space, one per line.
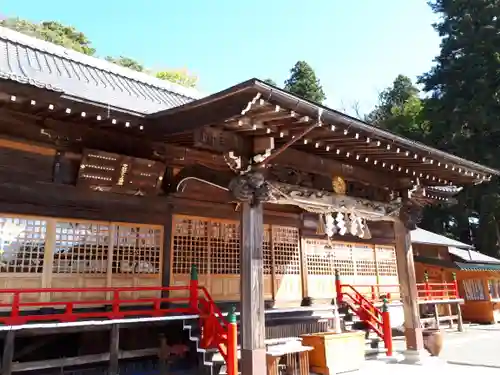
320,268
190,245
364,257
286,250
319,258
287,269
224,248
365,270
386,261
137,249
343,259
214,246
81,247
267,251
22,243
22,246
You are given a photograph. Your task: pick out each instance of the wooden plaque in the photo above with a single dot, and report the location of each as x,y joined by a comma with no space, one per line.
103,171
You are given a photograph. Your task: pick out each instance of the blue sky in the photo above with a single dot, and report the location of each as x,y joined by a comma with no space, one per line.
356,47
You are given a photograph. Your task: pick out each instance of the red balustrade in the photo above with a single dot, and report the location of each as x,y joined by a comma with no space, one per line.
377,319
430,291
217,331
23,312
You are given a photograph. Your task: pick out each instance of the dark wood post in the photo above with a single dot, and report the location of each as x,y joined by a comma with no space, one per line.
114,350
251,189
163,355
409,293
253,349
8,352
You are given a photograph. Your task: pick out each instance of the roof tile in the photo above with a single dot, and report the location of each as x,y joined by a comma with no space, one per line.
32,61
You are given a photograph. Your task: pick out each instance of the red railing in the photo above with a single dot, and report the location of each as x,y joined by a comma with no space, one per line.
217,331
437,291
377,319
70,311
379,292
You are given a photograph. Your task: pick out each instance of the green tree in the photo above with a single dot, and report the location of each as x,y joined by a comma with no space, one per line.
400,110
396,95
270,82
180,76
126,62
53,32
304,83
464,108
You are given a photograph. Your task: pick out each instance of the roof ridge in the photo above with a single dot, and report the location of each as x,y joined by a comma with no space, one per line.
97,63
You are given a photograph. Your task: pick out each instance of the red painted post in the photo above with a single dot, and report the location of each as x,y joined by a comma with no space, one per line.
232,343
193,289
14,314
455,285
338,287
426,286
374,296
386,328
116,304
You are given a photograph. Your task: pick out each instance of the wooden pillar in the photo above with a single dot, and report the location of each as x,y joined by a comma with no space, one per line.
167,252
163,355
8,352
408,287
253,350
436,315
48,257
460,321
114,350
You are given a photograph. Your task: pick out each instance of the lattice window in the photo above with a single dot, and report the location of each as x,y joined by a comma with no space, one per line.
22,245
214,246
190,245
343,261
386,261
81,247
266,249
364,257
319,258
224,248
137,249
286,250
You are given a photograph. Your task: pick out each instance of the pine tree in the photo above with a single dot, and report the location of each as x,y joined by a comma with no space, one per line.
464,107
304,83
271,82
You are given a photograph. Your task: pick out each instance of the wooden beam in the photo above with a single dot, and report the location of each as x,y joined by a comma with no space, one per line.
328,167
408,287
8,352
253,349
80,360
220,141
114,350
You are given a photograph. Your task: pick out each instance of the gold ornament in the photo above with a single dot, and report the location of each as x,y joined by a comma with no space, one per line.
339,185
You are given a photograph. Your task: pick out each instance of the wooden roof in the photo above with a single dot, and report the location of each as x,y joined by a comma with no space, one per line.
256,109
